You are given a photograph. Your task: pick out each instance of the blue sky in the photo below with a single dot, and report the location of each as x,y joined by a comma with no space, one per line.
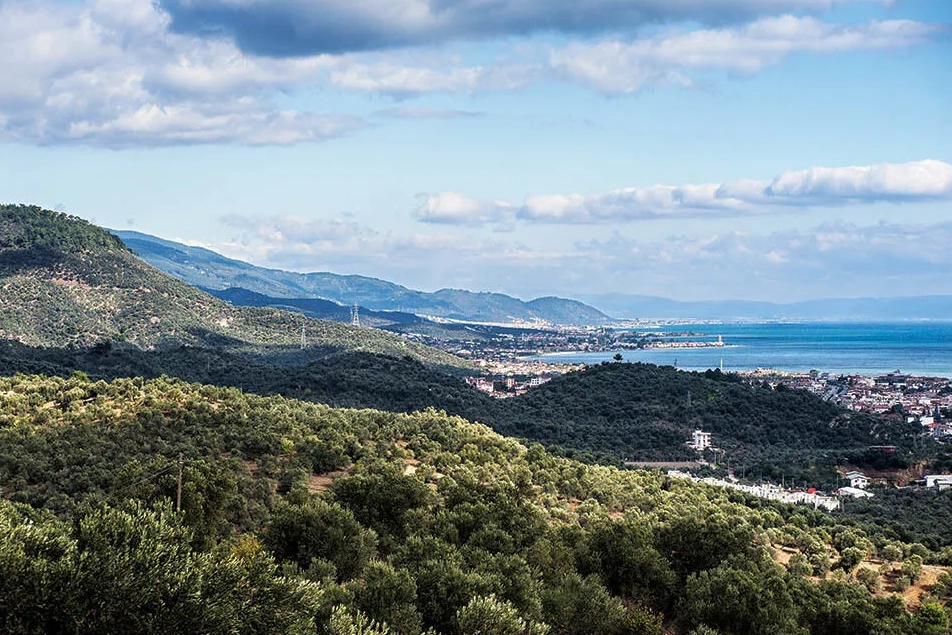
695,149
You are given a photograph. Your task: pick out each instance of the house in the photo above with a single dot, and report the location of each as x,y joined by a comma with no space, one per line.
939,481
857,480
854,492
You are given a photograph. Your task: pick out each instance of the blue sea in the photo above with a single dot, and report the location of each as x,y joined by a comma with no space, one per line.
918,348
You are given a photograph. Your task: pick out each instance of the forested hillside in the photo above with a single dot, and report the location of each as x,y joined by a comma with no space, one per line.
611,412
300,518
67,283
644,411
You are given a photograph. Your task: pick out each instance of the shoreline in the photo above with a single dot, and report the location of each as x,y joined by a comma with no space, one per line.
868,373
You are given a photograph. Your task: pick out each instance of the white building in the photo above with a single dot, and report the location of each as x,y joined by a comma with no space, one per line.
854,492
857,480
700,440
941,481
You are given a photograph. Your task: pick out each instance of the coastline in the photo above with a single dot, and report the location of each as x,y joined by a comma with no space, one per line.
864,349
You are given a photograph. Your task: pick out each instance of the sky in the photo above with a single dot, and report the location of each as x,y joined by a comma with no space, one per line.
776,150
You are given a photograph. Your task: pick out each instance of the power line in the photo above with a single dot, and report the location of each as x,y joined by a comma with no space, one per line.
142,480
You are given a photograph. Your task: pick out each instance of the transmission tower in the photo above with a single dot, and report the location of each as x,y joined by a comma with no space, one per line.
303,337
355,315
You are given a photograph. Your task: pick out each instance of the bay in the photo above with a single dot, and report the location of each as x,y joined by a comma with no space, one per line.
918,348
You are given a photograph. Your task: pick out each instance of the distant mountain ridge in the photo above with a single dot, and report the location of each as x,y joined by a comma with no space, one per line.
67,283
207,269
938,307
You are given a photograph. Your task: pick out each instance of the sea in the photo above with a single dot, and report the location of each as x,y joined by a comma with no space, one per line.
916,348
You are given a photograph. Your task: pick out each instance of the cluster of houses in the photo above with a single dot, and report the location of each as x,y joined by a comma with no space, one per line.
859,482
922,399
513,385
768,491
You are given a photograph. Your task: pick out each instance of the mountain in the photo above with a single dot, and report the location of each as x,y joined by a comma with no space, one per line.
66,283
838,309
205,268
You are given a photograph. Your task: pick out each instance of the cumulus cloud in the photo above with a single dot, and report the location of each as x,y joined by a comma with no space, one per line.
114,73
109,74
916,181
622,67
294,28
454,209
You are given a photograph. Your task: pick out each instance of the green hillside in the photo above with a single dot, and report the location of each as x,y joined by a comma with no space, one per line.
300,518
643,411
610,412
68,283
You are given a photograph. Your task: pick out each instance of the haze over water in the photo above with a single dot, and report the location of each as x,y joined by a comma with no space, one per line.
918,348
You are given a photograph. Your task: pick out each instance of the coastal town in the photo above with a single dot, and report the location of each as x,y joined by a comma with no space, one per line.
927,400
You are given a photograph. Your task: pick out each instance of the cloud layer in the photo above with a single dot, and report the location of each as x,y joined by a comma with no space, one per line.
108,74
117,74
917,181
295,28
621,67
832,260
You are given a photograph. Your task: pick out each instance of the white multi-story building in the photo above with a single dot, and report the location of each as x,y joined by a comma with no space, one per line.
700,440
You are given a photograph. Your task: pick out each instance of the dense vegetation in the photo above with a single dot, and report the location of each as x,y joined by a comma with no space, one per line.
609,412
66,282
297,517
646,412
921,516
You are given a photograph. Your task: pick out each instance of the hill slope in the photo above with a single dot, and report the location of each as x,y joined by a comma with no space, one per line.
207,269
641,411
66,282
299,518
612,412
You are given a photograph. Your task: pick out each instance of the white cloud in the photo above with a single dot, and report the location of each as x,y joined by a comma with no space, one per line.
621,67
616,67
633,203
404,80
420,259
109,74
454,209
917,181
832,260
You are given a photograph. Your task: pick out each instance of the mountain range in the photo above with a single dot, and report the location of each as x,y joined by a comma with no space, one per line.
246,284
209,270
885,309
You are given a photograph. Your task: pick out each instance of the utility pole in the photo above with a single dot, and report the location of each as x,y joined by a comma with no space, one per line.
178,493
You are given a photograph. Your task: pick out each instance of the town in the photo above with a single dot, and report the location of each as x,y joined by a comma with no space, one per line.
927,400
